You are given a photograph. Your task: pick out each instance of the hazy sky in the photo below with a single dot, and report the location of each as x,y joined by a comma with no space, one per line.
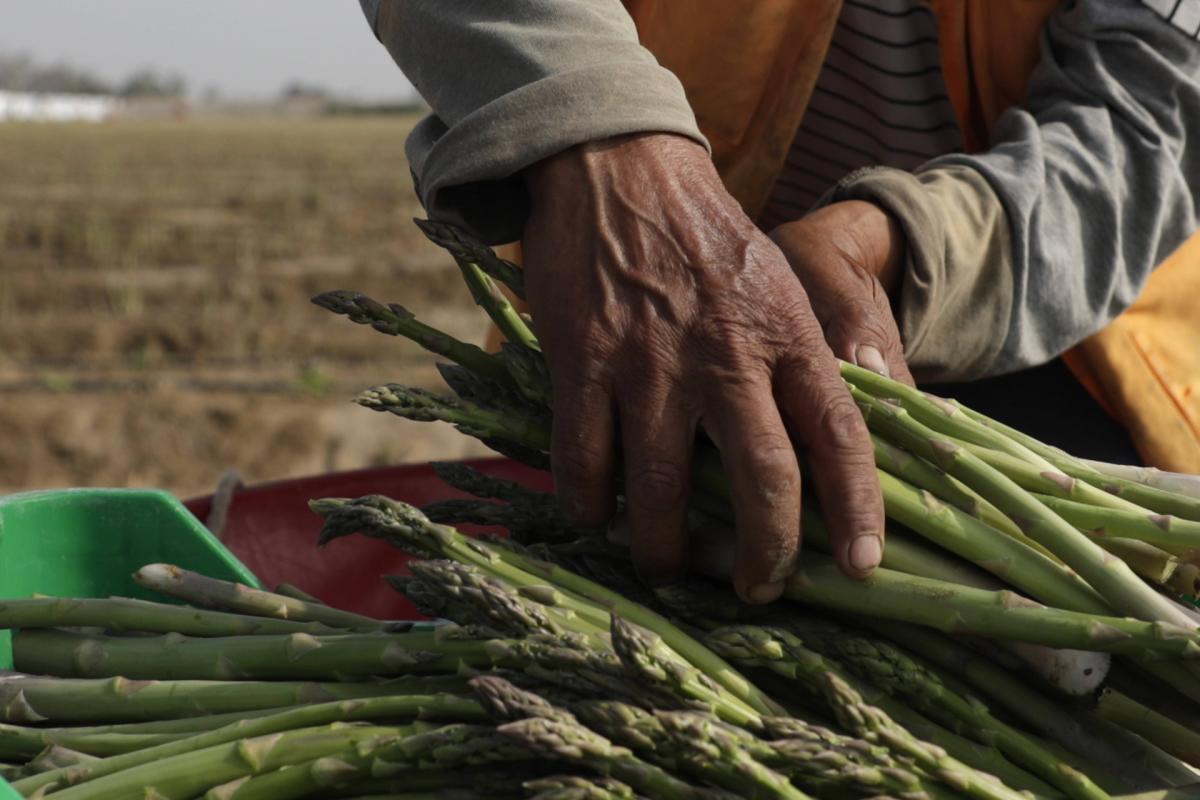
242,47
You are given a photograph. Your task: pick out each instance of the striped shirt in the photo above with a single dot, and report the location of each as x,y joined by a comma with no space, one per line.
879,100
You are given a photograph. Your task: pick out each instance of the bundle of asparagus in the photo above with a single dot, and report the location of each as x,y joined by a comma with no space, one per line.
1064,587
1027,636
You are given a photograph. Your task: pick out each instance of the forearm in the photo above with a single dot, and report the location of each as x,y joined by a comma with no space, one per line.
512,83
1018,253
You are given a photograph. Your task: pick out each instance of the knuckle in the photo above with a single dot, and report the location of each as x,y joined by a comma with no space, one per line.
771,464
657,485
840,425
577,465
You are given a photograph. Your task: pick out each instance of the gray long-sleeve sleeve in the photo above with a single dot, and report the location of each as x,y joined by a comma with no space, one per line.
1097,177
510,83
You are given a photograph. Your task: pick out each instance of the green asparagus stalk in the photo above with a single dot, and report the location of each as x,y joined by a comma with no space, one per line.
1130,762
649,659
467,479
1178,740
784,653
1005,557
178,726
424,707
56,757
817,759
290,590
1109,576
411,531
474,389
456,745
469,418
295,657
460,245
1150,497
900,675
24,742
126,614
201,590
529,370
570,742
923,475
577,787
191,773
471,597
485,781
32,699
396,320
1003,614
483,291
1160,529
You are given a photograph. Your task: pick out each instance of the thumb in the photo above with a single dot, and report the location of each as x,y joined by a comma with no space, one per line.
842,255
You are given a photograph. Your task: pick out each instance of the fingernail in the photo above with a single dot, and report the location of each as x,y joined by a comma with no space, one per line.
866,552
765,592
869,357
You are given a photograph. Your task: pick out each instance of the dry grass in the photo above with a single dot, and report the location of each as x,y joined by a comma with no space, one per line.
154,319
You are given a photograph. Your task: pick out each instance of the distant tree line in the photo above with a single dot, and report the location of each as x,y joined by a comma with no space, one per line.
20,73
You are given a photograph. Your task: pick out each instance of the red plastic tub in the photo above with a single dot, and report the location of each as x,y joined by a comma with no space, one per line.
270,528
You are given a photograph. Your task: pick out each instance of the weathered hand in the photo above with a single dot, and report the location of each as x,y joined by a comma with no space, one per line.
660,307
848,257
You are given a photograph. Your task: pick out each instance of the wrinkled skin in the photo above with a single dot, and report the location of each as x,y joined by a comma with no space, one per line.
662,307
848,257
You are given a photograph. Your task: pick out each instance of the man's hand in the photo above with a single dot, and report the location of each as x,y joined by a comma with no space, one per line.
848,256
661,306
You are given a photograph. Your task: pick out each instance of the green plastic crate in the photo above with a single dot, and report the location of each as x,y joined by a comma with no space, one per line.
88,542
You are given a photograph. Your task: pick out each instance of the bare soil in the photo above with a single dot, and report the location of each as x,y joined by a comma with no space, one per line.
155,323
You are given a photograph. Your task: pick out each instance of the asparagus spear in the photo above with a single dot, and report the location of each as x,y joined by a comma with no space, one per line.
470,480
529,370
1109,576
1154,498
785,655
191,773
1006,557
1160,529
483,291
126,614
470,418
425,707
902,676
470,596
570,742
648,659
1131,763
1178,740
295,657
31,699
923,475
1003,614
462,246
396,320
577,787
201,590
27,741
818,759
450,746
411,531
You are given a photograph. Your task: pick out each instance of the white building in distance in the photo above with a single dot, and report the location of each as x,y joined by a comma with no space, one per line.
52,107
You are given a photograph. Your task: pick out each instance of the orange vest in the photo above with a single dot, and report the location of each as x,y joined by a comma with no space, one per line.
749,66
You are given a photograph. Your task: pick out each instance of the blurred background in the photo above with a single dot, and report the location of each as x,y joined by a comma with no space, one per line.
176,181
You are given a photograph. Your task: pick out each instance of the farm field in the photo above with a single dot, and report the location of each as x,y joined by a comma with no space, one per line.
155,324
